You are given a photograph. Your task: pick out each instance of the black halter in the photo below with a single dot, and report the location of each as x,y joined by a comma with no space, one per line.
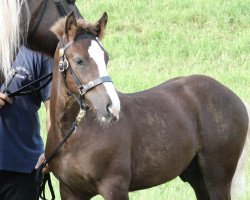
64,65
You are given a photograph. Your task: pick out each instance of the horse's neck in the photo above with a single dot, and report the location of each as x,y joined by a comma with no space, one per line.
68,114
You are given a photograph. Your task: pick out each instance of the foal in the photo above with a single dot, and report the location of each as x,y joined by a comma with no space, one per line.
192,127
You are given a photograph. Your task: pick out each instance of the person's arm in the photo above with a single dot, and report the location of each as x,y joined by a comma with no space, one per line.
3,99
41,159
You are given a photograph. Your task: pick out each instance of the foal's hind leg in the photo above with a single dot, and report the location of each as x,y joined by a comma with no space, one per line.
217,175
193,176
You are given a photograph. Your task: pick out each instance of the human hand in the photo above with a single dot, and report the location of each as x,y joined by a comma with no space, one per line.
41,160
3,99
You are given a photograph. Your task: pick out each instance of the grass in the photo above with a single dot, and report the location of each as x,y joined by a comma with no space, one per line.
151,41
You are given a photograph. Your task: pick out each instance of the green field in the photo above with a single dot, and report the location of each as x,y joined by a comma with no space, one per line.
150,41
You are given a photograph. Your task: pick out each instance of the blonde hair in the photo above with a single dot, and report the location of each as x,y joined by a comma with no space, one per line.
11,34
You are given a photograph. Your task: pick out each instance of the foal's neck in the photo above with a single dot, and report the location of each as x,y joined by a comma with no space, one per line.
64,109
69,113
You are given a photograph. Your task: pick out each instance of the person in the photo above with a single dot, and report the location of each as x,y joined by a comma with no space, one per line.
21,145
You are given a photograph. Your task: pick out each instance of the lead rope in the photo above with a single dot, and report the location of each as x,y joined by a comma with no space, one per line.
42,179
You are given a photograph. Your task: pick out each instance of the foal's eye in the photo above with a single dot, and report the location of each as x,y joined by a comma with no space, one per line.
78,61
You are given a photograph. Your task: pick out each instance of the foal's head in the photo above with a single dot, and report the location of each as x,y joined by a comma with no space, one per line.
82,61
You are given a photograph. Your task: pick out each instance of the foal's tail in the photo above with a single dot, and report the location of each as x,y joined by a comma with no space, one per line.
239,183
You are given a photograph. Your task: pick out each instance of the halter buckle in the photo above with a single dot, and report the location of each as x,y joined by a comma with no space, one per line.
90,84
63,64
82,90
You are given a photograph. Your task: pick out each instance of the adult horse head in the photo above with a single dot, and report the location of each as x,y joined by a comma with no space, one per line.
44,13
28,22
85,72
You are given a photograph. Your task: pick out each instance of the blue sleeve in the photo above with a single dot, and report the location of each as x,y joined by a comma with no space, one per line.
46,68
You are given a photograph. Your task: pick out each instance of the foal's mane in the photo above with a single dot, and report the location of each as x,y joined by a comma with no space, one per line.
11,37
95,29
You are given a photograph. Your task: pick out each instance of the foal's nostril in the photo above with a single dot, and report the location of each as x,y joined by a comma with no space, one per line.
112,117
109,108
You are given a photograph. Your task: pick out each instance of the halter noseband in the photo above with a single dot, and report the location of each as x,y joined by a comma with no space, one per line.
64,65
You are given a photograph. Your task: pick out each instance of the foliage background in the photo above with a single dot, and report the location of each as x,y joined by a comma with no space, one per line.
150,41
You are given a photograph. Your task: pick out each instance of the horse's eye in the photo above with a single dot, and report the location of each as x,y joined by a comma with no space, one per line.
78,61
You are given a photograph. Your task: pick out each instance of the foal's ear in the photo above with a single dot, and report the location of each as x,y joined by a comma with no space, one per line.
71,26
101,25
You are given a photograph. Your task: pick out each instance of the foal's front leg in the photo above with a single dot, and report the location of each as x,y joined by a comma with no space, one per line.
67,194
114,189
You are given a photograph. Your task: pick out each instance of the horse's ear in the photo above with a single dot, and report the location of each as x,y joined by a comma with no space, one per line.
101,25
71,26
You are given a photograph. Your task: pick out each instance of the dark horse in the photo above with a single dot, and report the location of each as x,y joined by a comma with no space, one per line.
192,127
28,22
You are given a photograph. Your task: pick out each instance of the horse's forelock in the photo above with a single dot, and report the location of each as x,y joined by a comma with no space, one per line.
59,27
11,34
91,28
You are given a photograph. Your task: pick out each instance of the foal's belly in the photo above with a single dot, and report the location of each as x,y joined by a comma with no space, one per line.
163,148
155,164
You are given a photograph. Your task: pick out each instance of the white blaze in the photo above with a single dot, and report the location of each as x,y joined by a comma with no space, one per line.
97,54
